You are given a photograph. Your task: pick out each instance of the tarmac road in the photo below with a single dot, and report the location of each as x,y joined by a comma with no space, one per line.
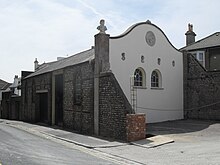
195,142
18,147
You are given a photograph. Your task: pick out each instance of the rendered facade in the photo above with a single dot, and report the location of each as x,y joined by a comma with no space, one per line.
142,58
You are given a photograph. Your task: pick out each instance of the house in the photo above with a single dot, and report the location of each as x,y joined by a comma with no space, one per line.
201,76
11,100
206,50
15,87
4,86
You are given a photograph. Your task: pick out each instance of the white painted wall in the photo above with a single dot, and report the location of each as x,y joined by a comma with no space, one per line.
161,104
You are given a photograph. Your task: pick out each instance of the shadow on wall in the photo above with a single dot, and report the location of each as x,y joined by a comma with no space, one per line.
179,126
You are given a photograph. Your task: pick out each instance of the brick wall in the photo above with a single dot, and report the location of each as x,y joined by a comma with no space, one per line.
5,104
201,91
78,101
30,98
136,127
113,108
11,106
78,98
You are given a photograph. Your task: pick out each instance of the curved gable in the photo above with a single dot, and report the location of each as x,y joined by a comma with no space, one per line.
130,29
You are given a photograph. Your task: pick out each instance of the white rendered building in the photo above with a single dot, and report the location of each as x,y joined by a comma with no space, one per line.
149,69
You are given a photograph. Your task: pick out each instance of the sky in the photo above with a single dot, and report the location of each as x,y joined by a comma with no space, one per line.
47,29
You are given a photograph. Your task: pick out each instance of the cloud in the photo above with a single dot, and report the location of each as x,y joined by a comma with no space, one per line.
50,28
42,29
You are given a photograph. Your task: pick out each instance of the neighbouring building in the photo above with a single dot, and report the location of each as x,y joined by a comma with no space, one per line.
11,100
4,86
206,50
202,76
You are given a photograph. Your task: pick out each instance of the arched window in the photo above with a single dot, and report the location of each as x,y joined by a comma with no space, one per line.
139,77
156,79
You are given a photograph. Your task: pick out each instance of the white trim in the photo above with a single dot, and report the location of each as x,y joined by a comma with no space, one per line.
196,54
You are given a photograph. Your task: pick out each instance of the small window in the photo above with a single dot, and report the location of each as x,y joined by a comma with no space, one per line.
158,61
123,56
173,63
142,59
139,77
200,56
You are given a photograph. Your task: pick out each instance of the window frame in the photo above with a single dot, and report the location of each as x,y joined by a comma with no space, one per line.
157,80
197,54
139,82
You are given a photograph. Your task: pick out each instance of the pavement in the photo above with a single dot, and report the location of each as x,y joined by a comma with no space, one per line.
85,140
186,141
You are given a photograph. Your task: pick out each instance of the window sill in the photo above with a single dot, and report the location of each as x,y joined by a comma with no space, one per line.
157,88
140,87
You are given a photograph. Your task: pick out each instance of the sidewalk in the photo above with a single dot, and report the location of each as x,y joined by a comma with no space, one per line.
85,140
59,133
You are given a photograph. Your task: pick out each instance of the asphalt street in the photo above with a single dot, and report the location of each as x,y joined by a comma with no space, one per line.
18,147
191,142
196,142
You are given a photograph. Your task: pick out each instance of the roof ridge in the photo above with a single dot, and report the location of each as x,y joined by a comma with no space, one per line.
77,58
67,57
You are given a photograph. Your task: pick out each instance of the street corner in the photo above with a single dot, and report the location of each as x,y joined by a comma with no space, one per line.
153,141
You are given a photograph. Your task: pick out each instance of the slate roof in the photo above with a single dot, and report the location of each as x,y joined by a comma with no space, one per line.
4,85
210,41
65,62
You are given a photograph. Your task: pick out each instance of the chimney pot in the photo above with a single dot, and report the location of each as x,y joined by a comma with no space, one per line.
36,64
190,35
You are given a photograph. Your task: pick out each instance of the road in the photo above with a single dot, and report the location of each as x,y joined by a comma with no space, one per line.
19,147
196,142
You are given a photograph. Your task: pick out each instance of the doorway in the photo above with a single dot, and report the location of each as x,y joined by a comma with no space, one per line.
59,100
43,107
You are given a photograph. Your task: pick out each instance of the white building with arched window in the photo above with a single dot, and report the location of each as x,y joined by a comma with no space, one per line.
143,60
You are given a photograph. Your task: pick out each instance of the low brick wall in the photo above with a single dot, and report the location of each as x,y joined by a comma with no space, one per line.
136,127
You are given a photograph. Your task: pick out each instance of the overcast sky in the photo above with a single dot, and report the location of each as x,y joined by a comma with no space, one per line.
47,29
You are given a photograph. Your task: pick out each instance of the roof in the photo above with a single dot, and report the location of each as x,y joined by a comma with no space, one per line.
65,62
207,42
4,85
